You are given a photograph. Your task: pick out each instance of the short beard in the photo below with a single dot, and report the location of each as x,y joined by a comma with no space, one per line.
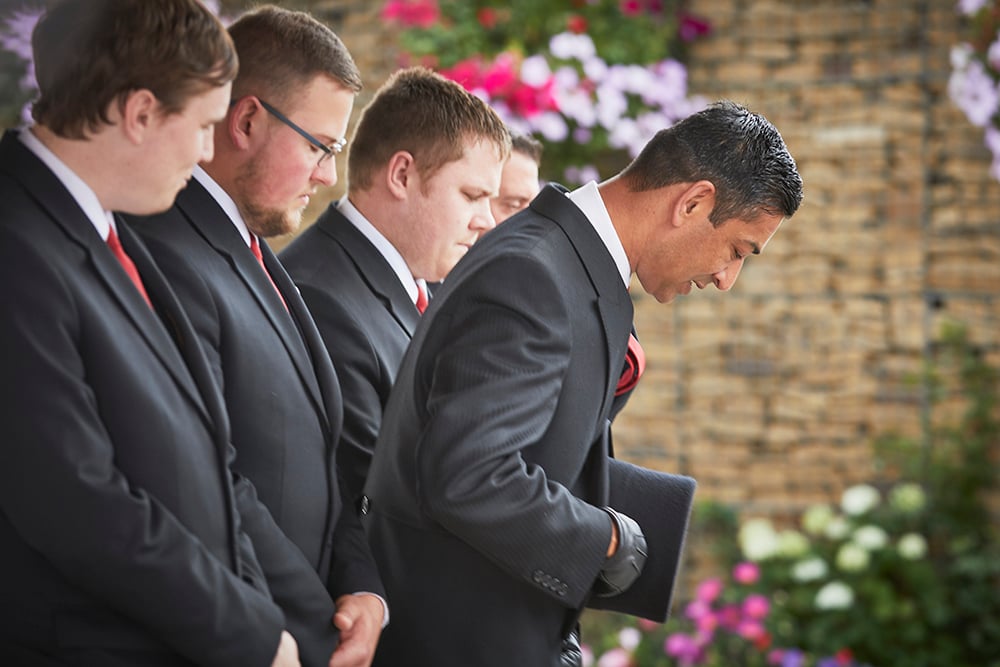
265,223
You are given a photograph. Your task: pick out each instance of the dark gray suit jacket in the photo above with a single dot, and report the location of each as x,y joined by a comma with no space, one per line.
284,403
366,318
120,541
483,502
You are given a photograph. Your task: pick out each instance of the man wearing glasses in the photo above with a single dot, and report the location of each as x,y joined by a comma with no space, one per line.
289,112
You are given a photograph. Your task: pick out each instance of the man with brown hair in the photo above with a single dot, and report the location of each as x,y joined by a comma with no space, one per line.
120,541
425,159
493,494
289,112
519,180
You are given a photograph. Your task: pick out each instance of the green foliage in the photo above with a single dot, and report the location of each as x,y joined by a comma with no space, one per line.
905,572
470,28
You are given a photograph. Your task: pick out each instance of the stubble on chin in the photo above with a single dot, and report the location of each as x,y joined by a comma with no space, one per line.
262,221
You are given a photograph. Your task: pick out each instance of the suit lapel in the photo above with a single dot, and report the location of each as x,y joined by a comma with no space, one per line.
53,198
373,268
205,215
613,302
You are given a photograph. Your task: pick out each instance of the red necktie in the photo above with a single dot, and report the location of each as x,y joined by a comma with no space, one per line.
421,298
255,249
116,247
635,364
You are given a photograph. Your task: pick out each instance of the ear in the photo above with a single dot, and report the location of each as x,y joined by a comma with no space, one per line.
244,122
696,201
401,174
138,114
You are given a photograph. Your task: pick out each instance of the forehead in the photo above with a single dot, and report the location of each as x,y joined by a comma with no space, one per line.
479,166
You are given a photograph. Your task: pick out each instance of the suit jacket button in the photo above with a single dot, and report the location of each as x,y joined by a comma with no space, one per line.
365,504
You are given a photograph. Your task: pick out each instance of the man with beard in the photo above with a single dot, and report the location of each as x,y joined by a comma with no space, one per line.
286,122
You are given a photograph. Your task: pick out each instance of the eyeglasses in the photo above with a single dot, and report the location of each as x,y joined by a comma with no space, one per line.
328,151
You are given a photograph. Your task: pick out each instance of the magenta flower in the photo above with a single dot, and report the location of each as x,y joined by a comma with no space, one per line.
630,7
756,606
410,13
709,590
746,573
730,616
750,630
692,27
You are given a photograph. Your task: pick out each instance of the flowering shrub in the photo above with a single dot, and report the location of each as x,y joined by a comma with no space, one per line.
897,574
724,625
592,79
974,85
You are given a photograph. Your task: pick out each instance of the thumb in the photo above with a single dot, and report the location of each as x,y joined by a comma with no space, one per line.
343,621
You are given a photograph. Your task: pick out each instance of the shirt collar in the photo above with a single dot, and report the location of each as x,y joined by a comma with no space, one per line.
82,193
382,244
224,201
588,199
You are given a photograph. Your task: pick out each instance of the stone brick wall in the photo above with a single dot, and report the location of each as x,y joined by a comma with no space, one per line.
770,395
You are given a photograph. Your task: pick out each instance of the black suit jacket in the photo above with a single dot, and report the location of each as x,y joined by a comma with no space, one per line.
485,491
366,318
284,403
120,542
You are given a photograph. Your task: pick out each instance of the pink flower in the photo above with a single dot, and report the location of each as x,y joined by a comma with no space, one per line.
746,573
499,77
756,606
616,657
707,623
730,616
467,73
630,7
420,13
692,27
696,609
709,590
750,630
647,625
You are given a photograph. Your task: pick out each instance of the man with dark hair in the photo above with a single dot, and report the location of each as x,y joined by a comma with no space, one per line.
120,541
519,181
492,493
425,159
291,103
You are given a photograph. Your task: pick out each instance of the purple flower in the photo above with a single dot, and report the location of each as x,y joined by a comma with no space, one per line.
793,658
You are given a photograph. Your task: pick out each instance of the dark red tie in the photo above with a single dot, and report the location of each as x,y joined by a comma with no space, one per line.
116,247
255,249
635,364
421,298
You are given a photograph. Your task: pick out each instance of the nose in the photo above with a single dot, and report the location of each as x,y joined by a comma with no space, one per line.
484,221
325,172
726,278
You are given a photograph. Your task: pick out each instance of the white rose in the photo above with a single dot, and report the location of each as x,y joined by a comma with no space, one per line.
835,595
870,537
810,569
852,558
912,546
758,539
859,499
